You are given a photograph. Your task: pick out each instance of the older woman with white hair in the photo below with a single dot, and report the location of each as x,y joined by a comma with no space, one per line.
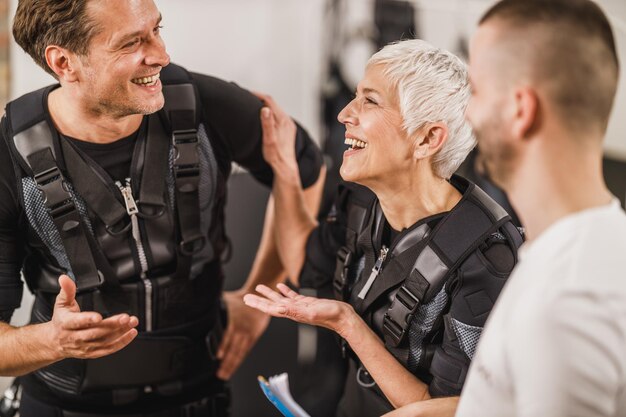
418,266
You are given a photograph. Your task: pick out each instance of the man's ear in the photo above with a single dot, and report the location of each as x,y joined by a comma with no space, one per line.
526,118
430,139
62,62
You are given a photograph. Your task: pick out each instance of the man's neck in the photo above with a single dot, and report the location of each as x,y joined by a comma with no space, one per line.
557,179
74,120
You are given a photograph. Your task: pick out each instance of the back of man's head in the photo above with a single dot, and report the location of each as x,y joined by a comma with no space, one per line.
41,23
566,49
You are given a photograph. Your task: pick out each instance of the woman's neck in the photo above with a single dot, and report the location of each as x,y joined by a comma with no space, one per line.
405,202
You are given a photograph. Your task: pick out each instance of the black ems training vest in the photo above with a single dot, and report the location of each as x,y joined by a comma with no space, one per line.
403,291
148,247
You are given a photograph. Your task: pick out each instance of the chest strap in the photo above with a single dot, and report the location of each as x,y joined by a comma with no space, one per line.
35,147
40,152
444,250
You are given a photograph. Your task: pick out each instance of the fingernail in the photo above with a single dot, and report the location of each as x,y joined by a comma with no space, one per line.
265,112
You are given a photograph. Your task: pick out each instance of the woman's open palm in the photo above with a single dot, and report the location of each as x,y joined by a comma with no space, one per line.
309,310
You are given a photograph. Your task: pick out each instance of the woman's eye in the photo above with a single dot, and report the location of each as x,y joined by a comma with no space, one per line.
157,29
369,100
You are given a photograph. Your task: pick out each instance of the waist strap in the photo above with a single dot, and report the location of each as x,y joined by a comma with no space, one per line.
217,405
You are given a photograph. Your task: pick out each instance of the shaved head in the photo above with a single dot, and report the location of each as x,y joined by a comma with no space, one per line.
563,48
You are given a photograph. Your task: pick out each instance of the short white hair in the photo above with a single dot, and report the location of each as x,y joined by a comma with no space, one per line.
432,86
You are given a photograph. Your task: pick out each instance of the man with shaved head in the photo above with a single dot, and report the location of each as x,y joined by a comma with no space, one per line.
544,75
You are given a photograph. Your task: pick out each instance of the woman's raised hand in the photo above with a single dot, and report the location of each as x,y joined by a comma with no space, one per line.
332,314
279,137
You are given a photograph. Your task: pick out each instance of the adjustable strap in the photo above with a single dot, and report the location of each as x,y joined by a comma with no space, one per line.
155,165
444,251
340,281
356,223
187,178
60,204
180,112
217,405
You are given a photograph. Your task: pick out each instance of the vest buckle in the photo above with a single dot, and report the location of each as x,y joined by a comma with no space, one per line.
398,317
340,281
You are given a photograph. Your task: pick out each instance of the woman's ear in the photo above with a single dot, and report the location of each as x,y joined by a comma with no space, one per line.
430,140
61,62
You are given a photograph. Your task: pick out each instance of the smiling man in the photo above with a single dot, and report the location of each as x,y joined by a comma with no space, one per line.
114,180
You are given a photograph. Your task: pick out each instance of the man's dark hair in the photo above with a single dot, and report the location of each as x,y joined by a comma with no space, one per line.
65,23
575,52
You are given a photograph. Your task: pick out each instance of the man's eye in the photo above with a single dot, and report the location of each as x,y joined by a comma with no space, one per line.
132,43
157,29
369,100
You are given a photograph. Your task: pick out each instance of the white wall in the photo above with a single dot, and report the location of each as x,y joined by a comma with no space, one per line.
275,46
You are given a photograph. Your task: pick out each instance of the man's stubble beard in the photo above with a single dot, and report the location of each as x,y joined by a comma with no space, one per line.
498,156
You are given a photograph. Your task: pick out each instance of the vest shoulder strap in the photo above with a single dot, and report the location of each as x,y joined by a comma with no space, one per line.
444,250
355,201
34,146
181,113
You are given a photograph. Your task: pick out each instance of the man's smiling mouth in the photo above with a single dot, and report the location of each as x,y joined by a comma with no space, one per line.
147,81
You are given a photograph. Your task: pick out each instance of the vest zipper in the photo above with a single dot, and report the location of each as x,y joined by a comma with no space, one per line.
378,266
131,209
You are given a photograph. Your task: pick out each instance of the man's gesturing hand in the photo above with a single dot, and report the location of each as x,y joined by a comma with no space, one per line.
86,335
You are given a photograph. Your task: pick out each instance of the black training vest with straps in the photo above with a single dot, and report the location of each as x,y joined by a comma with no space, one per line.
148,247
416,268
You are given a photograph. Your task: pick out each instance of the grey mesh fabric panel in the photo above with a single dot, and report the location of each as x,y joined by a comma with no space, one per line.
41,220
422,324
468,336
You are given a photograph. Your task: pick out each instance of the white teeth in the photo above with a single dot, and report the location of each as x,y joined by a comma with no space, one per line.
146,80
355,143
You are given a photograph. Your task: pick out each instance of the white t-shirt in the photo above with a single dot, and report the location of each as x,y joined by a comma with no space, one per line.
555,344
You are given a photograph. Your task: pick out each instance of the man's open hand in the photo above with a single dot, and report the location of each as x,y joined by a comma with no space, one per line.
86,335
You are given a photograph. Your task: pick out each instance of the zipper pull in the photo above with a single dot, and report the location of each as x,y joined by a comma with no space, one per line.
127,193
131,207
375,271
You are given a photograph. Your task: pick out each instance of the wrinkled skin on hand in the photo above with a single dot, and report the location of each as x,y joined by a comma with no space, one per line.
287,303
